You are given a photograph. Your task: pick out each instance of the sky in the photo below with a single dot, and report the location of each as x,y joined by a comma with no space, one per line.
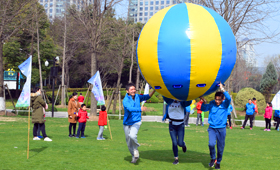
262,50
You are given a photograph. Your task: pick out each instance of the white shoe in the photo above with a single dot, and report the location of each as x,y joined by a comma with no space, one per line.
47,139
136,153
36,138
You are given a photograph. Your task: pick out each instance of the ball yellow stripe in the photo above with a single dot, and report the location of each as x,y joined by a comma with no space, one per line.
147,49
205,64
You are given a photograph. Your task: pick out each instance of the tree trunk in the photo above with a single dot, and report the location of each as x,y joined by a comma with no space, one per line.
67,74
131,65
63,67
38,51
93,103
2,100
137,80
118,87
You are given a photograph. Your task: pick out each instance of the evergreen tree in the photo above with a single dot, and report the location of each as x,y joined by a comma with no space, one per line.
269,80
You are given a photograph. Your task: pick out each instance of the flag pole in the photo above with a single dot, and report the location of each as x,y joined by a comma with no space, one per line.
28,133
109,128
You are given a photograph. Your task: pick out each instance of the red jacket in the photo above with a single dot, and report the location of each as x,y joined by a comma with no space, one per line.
102,121
82,116
198,107
256,106
81,99
268,112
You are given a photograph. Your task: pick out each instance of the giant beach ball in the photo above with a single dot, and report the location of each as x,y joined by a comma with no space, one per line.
184,51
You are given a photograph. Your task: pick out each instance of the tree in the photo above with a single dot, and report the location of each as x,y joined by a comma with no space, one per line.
13,15
269,79
94,21
18,48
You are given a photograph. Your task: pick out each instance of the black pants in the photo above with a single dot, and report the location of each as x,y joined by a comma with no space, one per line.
278,122
267,123
229,120
74,128
81,129
246,119
42,128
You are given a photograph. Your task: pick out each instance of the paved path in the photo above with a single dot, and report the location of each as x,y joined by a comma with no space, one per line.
192,120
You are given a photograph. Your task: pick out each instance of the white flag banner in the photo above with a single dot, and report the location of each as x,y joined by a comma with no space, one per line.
276,102
26,69
146,91
97,89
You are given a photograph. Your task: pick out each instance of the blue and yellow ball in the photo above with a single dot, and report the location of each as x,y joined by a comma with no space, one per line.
184,51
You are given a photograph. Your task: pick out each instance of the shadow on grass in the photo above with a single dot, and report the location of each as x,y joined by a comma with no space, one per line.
37,150
167,156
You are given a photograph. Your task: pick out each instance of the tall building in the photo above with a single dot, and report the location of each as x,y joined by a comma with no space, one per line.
56,8
247,51
143,10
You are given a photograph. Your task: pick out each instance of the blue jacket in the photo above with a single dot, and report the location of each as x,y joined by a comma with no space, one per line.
132,108
230,109
250,109
217,114
188,109
277,113
168,101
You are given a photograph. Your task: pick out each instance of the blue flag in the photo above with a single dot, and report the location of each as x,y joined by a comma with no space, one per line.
97,88
24,98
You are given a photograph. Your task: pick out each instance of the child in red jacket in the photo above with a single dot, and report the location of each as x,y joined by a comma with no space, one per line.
198,107
267,116
102,122
82,118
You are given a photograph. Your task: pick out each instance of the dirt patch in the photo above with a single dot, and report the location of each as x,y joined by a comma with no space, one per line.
93,118
8,119
2,113
151,109
241,113
61,107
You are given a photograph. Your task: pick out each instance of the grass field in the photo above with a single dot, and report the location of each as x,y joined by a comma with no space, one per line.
244,149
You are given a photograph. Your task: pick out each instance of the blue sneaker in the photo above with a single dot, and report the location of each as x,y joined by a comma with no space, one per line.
83,137
77,137
278,129
99,138
103,138
40,137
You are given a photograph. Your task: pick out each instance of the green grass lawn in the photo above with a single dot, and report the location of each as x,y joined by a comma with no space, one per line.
244,149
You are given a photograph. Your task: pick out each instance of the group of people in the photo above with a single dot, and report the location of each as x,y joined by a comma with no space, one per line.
80,115
77,112
218,113
251,111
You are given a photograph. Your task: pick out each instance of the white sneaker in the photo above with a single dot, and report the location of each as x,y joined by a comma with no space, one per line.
47,139
136,153
36,138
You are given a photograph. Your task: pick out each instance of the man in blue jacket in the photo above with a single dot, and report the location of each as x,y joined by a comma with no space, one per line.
277,118
218,111
250,110
230,108
132,118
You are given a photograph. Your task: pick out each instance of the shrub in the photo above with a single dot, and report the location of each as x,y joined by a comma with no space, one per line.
160,98
76,89
249,93
233,96
153,99
209,97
